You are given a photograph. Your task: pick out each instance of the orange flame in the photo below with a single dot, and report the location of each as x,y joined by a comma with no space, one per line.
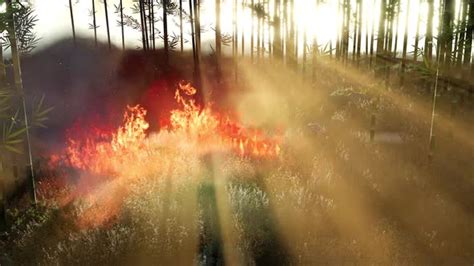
129,153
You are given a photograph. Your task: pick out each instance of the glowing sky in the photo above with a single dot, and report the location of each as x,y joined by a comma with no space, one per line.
54,19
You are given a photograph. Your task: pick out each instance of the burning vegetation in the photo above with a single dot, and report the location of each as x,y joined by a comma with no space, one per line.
130,152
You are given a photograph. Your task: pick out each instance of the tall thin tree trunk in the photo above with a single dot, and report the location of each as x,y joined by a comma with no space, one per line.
405,44
152,23
252,30
197,25
218,29
235,31
19,86
346,29
165,30
269,43
462,34
315,54
181,40
372,38
366,31
469,32
235,39
73,27
417,39
359,33
447,37
381,32
305,40
338,32
429,32
94,22
143,24
243,41
397,15
457,32
259,25
122,25
354,37
193,39
3,196
389,32
277,49
107,23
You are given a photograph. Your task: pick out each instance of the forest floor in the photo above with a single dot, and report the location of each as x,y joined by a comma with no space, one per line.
334,196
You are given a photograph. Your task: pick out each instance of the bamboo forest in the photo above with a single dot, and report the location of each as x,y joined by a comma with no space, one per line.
236,132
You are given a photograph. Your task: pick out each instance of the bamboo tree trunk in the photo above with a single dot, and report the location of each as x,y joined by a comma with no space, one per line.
347,31
243,43
296,46
3,196
193,39
218,29
389,32
3,200
259,25
197,30
354,38
145,24
252,33
462,34
235,40
122,25
338,32
469,32
405,44
315,54
372,39
165,30
448,18
152,23
417,39
359,33
305,37
197,25
72,22
235,32
181,40
366,31
269,43
395,45
94,22
277,49
142,24
19,86
429,32
457,33
107,23
381,33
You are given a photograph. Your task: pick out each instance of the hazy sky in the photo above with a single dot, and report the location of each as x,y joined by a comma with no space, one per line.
54,20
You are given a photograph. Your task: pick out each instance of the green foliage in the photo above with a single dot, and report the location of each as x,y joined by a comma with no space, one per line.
11,122
25,21
40,112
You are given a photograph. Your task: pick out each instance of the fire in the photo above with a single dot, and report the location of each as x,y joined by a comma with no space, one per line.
111,160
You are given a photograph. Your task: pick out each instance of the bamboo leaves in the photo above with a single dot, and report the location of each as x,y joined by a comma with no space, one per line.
12,134
40,112
13,128
25,20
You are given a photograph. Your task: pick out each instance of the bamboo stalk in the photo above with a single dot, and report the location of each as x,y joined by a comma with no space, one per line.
19,86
